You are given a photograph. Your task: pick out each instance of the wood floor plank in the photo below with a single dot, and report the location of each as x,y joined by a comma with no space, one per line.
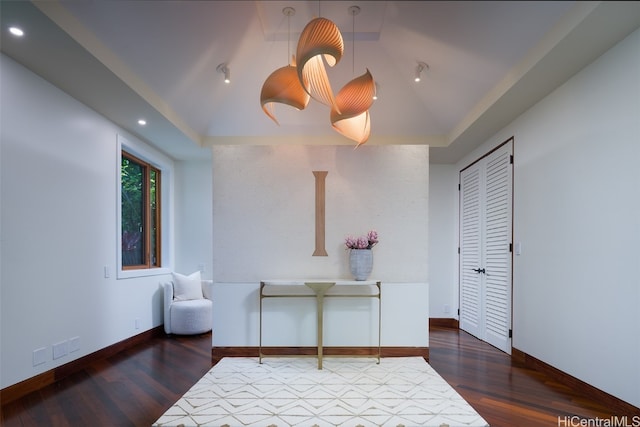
504,391
136,386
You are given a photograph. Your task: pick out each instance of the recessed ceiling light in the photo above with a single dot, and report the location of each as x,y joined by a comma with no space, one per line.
16,31
142,122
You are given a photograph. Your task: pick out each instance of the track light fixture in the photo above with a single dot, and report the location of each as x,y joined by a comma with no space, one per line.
224,69
419,68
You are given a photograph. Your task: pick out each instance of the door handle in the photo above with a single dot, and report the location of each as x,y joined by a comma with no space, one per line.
479,270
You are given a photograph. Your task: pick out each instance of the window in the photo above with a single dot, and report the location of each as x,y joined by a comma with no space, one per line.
140,213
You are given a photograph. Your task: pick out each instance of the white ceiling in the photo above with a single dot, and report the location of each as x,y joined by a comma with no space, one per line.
488,62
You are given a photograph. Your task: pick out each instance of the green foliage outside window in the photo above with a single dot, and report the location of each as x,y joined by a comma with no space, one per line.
140,215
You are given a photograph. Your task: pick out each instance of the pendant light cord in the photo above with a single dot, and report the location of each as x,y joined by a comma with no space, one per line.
353,38
353,10
288,37
289,12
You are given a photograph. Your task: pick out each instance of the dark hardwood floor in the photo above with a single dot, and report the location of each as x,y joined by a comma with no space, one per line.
136,386
505,392
132,388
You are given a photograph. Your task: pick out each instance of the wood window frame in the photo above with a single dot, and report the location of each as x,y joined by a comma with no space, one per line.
147,215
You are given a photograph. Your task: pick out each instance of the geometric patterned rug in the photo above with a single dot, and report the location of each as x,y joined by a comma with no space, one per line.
398,392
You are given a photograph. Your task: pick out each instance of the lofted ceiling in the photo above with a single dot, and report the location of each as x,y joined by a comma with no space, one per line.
488,62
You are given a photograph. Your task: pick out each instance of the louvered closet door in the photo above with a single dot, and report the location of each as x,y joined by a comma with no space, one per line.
470,252
485,248
497,248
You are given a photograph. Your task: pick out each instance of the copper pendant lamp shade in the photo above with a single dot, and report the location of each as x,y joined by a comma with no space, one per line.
320,38
351,118
357,128
283,86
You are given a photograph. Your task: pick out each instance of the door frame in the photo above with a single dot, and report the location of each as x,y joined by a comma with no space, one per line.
512,251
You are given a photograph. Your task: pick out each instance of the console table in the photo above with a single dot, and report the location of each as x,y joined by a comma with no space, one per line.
321,289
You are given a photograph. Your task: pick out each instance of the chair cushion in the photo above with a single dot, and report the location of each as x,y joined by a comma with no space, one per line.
187,287
192,316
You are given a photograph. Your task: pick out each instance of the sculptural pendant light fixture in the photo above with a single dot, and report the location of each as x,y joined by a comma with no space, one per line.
321,43
351,117
320,39
283,85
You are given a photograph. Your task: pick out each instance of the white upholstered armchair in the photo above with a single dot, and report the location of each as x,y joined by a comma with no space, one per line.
188,309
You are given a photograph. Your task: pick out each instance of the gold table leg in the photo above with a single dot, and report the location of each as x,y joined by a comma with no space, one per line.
320,289
260,332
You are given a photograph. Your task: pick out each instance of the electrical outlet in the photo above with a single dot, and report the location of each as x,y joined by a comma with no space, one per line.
446,309
137,323
39,356
107,272
60,349
74,344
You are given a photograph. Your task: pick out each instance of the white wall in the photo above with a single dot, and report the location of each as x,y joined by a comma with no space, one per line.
443,241
576,289
194,237
58,178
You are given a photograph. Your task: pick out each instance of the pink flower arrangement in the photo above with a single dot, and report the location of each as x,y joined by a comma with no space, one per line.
362,242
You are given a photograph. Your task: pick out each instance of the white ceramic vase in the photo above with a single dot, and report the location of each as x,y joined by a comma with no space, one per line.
361,263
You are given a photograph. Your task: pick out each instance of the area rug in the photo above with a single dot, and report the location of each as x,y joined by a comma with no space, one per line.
356,392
